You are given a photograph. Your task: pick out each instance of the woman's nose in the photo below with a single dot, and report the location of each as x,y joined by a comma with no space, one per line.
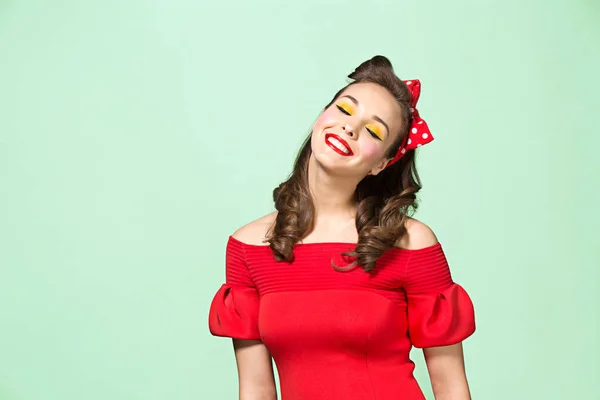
348,130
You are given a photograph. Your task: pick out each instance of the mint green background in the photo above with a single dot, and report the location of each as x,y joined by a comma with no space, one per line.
135,136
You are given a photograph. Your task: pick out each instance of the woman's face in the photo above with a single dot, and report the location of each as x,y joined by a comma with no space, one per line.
353,135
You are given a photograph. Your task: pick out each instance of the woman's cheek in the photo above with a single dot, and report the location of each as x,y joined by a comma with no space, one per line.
370,150
327,118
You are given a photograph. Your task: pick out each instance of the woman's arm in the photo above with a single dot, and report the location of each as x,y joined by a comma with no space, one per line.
446,367
255,370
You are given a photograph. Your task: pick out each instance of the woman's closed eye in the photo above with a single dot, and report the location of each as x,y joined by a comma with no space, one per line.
375,133
343,109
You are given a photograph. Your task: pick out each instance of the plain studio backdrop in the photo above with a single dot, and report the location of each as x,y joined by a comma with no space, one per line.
136,136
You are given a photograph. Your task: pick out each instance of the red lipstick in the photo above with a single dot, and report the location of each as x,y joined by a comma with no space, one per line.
338,144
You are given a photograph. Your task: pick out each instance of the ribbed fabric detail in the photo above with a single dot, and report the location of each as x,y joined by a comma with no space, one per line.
236,269
397,270
426,271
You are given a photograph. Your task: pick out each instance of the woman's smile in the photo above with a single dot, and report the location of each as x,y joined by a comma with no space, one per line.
338,144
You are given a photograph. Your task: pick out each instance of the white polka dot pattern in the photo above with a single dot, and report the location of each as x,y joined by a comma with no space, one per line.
419,131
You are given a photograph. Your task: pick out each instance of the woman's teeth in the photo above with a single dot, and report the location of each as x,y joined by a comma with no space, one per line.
339,145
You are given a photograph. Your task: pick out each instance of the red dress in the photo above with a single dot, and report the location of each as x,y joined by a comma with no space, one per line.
341,335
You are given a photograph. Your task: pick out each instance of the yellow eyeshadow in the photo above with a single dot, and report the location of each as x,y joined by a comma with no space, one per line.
375,129
347,107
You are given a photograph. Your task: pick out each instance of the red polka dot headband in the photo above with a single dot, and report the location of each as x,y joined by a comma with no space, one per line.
419,134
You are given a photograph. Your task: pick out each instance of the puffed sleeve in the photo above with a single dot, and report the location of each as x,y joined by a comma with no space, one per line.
234,309
440,312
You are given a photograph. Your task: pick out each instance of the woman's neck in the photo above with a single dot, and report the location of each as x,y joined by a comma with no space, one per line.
333,197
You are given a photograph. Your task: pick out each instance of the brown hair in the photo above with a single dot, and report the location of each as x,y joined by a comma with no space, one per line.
384,200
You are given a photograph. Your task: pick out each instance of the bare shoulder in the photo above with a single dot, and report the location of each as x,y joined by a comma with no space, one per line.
418,236
256,231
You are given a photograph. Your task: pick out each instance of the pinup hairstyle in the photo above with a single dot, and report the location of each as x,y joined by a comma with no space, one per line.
385,200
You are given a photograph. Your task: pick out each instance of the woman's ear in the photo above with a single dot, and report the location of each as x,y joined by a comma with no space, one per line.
380,166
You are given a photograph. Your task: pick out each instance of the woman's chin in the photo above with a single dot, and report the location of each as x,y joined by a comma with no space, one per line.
335,164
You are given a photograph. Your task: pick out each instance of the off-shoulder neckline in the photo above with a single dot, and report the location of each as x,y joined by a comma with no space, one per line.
332,244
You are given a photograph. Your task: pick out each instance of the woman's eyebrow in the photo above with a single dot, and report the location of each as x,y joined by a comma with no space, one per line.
375,117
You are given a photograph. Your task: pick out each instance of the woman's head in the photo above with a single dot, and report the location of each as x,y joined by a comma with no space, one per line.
360,130
355,137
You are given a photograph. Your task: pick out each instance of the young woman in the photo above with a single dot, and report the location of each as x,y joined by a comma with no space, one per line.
340,282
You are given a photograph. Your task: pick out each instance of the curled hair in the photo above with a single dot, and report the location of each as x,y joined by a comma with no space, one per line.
385,201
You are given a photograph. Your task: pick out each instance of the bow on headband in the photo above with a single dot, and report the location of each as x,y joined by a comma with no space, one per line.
419,134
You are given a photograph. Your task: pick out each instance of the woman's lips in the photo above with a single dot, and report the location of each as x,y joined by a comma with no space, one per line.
338,144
